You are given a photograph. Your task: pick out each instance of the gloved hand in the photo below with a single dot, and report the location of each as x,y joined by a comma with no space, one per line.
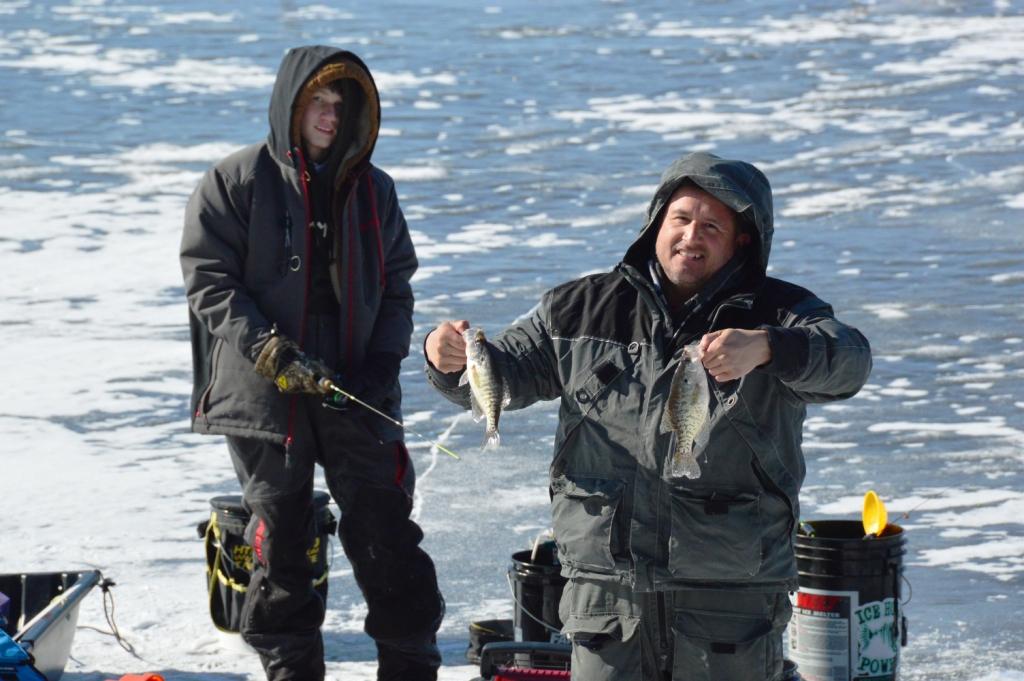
371,382
291,370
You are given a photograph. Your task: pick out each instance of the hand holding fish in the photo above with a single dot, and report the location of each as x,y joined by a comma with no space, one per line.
446,348
730,354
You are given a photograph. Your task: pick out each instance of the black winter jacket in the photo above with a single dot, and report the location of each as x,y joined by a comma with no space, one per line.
606,347
245,253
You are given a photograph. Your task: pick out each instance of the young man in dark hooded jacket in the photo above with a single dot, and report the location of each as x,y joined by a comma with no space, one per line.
672,576
297,262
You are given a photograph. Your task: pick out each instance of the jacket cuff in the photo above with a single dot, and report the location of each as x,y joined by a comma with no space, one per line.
790,352
262,337
439,379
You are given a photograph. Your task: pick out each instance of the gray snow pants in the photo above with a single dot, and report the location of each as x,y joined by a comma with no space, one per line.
682,635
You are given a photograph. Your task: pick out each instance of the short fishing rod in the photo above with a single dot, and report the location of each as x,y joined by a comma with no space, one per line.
328,384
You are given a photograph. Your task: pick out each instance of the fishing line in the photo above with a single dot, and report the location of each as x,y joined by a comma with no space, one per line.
512,588
906,514
329,385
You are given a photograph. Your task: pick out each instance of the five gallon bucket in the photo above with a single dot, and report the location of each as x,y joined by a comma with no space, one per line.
229,559
847,622
536,587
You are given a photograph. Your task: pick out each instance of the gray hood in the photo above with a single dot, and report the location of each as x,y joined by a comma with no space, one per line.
305,69
737,184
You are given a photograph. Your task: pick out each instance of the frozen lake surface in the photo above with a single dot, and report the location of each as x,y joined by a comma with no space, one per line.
525,143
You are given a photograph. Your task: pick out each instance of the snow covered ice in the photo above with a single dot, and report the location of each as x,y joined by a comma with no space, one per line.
525,145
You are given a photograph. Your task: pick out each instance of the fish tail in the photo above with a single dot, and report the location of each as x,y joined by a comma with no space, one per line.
684,464
492,439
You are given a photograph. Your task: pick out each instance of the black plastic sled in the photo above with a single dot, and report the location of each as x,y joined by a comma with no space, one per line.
43,613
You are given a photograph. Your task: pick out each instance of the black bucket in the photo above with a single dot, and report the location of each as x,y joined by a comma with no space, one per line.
486,631
229,560
536,587
847,622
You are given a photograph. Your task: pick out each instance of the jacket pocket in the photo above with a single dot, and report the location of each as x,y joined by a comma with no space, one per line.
715,538
203,407
591,393
583,511
591,611
718,646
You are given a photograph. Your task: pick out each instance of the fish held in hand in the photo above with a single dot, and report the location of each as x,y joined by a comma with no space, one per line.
686,412
488,393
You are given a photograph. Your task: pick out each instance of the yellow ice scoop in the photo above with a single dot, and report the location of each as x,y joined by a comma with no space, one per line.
874,516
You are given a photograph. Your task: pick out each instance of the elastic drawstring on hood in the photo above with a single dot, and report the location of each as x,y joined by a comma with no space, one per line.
737,184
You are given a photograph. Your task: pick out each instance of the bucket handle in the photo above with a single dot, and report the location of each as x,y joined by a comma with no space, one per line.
910,588
512,589
900,623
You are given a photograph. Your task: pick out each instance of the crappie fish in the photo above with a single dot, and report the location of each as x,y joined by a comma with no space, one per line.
686,412
488,393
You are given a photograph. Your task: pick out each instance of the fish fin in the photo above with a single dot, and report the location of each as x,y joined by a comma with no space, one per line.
478,411
506,395
492,440
464,378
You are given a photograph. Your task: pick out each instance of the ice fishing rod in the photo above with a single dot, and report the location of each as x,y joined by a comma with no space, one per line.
328,384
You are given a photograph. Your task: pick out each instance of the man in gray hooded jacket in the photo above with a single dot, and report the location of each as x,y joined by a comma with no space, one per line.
297,260
673,576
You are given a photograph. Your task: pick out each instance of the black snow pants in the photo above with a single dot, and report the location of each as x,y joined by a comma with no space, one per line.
372,482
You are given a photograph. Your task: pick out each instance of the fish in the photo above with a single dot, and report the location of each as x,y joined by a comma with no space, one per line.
686,412
488,393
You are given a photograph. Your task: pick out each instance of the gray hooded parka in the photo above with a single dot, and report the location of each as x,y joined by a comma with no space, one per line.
245,253
606,347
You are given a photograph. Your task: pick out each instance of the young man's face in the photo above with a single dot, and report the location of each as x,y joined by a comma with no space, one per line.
320,122
697,236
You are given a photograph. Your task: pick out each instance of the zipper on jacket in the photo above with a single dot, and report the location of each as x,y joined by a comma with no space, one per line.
300,165
663,626
646,290
203,404
287,262
343,265
299,161
377,229
350,253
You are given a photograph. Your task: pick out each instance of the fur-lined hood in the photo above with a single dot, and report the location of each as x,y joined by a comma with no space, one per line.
303,71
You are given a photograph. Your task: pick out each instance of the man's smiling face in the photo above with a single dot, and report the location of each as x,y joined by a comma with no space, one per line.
697,236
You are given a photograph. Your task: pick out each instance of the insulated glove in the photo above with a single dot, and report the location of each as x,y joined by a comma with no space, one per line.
291,370
372,382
